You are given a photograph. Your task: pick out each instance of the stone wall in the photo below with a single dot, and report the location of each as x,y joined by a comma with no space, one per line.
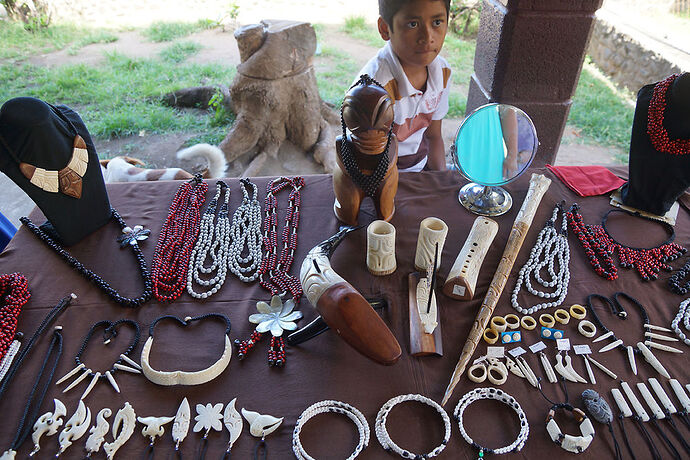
629,57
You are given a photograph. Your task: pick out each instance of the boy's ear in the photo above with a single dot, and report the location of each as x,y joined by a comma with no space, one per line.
384,31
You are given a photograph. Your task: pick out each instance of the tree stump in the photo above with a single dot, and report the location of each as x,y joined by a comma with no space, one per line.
275,95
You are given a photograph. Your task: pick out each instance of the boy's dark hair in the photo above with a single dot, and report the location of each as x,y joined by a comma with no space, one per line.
388,8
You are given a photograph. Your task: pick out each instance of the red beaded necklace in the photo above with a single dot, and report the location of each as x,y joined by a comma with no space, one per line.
655,121
273,274
14,293
176,240
600,246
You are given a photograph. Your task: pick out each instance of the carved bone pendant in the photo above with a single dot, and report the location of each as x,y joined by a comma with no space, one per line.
260,425
180,426
48,424
98,431
125,419
233,422
75,427
429,319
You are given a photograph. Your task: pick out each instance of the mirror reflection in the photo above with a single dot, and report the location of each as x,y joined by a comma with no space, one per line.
495,144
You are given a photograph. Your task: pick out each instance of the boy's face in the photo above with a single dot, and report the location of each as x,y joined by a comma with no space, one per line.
417,32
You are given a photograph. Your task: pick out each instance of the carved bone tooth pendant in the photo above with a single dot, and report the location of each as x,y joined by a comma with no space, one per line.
560,368
657,328
603,337
233,422
47,424
661,347
602,368
590,373
70,373
611,346
665,338
75,427
98,431
154,426
550,374
180,426
429,320
260,425
631,359
125,419
652,360
569,367
77,381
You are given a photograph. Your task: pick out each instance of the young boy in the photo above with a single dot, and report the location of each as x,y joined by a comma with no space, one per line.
415,76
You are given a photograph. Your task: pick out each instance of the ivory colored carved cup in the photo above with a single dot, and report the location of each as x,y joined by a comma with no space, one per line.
381,248
432,230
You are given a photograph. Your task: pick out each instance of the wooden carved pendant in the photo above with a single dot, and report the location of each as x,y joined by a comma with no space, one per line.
68,179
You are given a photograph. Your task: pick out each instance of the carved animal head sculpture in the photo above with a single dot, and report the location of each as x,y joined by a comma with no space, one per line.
368,114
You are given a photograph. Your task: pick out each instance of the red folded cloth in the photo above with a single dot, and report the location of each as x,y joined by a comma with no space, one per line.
587,180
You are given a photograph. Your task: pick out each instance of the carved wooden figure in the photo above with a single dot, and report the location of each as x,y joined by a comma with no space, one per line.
367,157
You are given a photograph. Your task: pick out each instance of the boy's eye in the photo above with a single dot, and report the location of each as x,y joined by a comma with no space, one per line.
438,22
412,24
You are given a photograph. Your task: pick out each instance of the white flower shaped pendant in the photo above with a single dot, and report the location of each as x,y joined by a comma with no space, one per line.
277,317
209,416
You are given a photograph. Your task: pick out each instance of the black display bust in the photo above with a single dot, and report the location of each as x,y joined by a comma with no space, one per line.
657,178
42,135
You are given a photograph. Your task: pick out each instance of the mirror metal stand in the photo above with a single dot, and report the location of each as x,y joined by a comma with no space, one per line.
485,200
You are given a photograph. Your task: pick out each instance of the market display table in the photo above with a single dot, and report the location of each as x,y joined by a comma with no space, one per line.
326,367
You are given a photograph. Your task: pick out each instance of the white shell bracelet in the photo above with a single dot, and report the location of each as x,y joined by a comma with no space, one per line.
389,445
338,407
499,395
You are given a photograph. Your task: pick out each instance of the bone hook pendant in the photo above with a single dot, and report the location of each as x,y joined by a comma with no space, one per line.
47,424
343,308
611,346
125,419
571,370
233,422
98,431
665,338
560,368
652,360
631,359
75,427
180,426
661,347
260,425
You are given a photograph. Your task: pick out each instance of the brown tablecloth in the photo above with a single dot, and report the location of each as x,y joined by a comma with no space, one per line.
326,367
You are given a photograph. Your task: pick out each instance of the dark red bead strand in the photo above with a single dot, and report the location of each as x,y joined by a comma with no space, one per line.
176,241
14,294
655,121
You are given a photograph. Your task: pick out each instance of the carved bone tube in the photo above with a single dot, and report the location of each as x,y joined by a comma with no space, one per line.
432,231
462,278
381,248
538,185
343,308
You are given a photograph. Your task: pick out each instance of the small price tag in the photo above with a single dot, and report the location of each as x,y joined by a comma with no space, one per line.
495,352
537,347
582,349
517,351
563,344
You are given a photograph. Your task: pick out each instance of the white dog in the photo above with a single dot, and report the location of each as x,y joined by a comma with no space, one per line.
127,169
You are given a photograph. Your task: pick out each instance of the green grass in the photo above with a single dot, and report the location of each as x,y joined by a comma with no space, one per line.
92,37
601,111
180,51
17,42
120,97
338,71
169,31
357,27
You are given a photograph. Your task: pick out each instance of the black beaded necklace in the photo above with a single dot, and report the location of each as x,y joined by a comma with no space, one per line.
130,239
368,183
674,282
109,332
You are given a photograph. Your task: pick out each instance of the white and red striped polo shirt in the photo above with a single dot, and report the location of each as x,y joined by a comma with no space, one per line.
414,110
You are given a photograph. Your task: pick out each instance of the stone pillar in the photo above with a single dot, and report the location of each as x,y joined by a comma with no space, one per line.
529,54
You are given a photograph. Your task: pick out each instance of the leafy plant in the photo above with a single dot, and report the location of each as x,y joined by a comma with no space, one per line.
221,116
464,17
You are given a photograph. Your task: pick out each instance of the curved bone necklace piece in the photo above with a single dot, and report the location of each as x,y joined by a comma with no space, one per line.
213,243
551,248
168,378
109,331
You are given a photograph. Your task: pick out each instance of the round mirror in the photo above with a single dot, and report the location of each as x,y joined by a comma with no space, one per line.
493,146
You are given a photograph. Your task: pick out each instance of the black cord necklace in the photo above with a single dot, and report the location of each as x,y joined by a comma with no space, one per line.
674,282
47,321
618,309
129,238
109,332
368,183
36,397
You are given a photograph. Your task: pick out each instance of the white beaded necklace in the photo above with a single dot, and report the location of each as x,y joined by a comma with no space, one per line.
213,243
338,407
385,439
553,246
246,231
499,395
684,314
